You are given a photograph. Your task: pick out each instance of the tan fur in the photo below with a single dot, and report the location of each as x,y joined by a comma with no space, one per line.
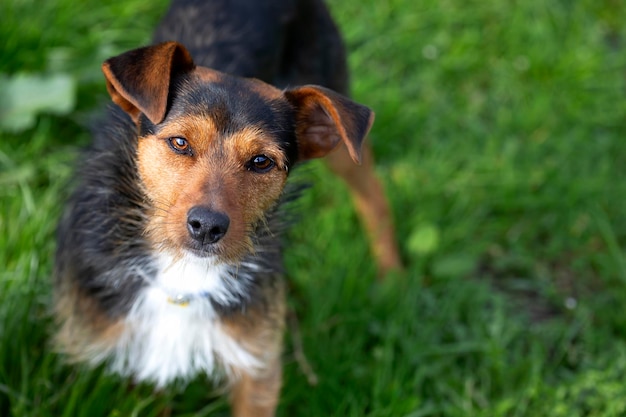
167,58
215,177
261,334
369,199
326,119
84,330
257,396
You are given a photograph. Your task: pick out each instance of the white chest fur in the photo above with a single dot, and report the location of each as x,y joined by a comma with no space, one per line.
163,341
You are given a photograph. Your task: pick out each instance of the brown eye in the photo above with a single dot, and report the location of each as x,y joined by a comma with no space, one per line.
260,164
180,145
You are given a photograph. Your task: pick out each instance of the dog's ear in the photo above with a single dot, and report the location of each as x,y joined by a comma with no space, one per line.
139,80
324,118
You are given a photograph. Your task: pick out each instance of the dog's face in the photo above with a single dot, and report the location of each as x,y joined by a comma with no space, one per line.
214,150
216,164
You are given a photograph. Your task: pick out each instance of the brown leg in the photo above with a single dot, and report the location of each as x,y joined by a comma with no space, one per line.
260,332
257,396
371,204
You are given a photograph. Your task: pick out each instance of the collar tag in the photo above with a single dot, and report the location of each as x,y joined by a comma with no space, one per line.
179,300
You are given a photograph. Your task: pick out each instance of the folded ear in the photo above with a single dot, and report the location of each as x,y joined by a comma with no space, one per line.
324,118
139,80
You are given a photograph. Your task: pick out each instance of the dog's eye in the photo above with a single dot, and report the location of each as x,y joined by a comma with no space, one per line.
180,145
260,164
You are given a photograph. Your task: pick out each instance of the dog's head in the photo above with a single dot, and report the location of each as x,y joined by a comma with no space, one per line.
214,150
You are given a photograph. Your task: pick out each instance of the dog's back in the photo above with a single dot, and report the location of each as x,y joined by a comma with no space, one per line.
282,42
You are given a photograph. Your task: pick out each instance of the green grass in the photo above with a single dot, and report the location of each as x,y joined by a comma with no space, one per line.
500,136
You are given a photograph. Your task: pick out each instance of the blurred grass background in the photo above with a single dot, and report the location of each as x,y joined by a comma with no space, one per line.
500,135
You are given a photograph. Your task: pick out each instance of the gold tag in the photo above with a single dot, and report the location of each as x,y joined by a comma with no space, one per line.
179,300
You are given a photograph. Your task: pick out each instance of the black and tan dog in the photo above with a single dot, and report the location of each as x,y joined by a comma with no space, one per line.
169,257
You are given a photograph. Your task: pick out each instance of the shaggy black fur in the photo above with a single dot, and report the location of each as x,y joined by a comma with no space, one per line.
282,42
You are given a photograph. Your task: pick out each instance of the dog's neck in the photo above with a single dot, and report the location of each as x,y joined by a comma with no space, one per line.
188,279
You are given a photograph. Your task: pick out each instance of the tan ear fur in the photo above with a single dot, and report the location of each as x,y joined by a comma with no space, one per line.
139,80
324,118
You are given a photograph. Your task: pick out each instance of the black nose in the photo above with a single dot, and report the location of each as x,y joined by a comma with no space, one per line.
205,225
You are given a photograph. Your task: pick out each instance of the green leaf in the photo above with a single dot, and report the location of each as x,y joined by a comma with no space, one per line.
23,96
424,240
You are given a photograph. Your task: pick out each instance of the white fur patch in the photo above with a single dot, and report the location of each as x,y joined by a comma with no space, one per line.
164,341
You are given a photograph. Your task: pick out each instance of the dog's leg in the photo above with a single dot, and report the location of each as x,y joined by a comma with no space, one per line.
257,396
369,198
321,59
255,392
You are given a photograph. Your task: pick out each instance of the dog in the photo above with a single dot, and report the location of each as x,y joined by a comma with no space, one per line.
168,259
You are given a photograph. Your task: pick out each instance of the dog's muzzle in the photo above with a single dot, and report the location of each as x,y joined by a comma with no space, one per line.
206,226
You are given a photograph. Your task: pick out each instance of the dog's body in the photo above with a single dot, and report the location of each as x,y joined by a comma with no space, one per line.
169,257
